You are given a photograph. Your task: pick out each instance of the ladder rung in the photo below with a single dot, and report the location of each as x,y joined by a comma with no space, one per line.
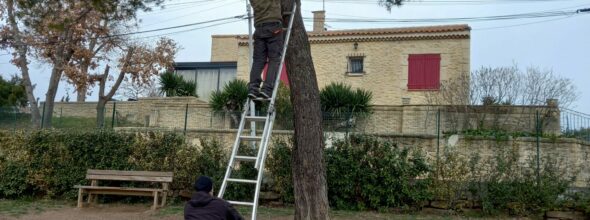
261,99
251,138
240,203
242,180
246,158
255,118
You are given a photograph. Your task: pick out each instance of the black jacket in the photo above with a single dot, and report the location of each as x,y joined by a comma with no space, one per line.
203,206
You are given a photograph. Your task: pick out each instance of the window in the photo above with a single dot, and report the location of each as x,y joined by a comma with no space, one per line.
424,72
355,65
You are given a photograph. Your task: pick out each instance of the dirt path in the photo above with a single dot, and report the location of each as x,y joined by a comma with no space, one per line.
126,212
118,212
143,212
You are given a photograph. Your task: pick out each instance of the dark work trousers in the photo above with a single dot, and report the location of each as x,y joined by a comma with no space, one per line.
268,46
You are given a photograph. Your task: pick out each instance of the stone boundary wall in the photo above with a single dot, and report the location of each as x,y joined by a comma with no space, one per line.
568,152
403,119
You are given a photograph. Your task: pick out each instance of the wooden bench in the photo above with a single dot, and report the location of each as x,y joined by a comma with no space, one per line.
165,178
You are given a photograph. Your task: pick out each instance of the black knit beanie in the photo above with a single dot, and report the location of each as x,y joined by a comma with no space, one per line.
204,184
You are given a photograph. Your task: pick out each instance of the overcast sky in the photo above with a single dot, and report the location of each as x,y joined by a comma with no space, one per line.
560,43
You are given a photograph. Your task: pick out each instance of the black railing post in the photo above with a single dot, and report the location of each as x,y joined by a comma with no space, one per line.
437,136
114,115
185,118
538,150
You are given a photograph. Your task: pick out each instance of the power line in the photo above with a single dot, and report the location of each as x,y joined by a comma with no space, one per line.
192,29
455,19
178,26
522,24
443,2
191,13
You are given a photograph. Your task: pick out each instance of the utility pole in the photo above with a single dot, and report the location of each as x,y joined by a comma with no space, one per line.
251,54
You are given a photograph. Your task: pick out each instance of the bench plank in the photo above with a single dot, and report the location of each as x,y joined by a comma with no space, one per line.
119,190
129,178
129,173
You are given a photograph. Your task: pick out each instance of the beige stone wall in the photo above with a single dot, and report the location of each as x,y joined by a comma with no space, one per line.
150,112
402,119
224,48
385,64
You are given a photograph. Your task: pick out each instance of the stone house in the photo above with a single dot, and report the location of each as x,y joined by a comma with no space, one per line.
399,65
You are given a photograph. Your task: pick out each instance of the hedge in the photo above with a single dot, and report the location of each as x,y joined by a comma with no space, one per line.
363,172
49,163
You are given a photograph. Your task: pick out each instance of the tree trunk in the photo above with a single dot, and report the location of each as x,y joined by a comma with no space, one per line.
100,112
50,96
82,93
102,98
309,172
22,63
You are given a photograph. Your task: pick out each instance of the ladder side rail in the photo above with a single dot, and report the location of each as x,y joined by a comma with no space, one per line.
283,55
265,133
234,150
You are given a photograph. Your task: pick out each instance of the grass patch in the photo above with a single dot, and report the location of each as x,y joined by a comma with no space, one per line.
177,209
21,207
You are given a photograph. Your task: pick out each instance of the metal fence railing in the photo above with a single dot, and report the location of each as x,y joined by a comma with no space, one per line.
575,124
430,120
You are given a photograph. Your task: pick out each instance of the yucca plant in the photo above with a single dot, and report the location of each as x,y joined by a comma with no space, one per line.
174,85
169,82
341,104
187,88
231,99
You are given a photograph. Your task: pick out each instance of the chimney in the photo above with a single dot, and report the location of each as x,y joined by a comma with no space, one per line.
319,18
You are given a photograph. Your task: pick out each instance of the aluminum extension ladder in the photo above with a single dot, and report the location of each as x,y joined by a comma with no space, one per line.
263,140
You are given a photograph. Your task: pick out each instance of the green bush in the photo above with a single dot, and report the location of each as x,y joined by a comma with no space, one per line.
339,100
450,178
368,173
50,162
14,180
172,84
279,167
516,187
365,173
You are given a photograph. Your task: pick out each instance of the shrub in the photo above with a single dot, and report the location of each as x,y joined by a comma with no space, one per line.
365,173
50,162
515,187
279,167
450,178
231,98
339,100
368,173
172,84
341,105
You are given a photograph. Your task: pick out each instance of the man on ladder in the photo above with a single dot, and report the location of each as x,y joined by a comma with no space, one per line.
268,45
269,48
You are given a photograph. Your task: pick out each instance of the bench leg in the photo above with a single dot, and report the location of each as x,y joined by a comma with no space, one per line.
155,206
90,198
80,198
164,195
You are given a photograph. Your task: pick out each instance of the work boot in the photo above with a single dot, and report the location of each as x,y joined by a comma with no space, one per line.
265,92
253,93
264,95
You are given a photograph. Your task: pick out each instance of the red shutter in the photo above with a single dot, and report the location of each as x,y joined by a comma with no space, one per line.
284,77
423,71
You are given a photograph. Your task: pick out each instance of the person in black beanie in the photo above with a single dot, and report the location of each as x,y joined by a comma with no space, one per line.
204,206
